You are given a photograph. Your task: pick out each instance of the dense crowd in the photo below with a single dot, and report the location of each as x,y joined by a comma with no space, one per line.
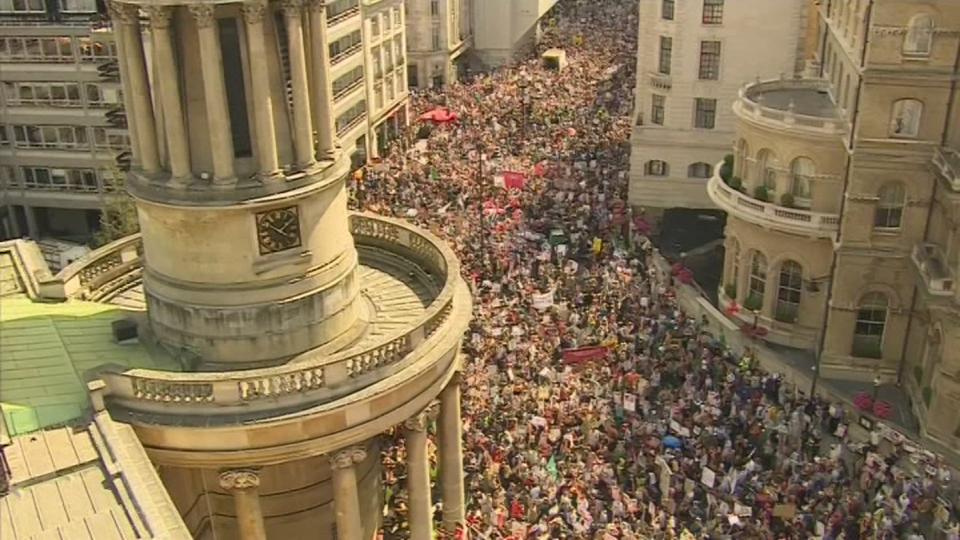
593,406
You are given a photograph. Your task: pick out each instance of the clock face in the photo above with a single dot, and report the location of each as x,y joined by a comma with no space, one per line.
278,229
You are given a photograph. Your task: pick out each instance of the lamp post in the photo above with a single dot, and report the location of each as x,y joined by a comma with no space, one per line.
483,218
876,386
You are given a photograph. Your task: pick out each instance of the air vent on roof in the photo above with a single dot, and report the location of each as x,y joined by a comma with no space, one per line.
124,331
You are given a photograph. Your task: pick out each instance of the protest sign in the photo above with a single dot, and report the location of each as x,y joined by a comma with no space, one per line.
708,477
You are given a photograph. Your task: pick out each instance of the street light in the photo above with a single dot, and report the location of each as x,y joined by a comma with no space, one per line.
876,386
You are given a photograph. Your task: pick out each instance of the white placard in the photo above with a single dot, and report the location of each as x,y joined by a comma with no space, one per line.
542,301
630,402
708,477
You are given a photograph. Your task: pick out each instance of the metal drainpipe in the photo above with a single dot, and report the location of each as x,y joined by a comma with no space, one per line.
843,201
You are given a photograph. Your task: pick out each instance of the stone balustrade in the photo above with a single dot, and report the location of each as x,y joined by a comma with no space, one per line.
310,378
752,105
768,214
937,276
947,161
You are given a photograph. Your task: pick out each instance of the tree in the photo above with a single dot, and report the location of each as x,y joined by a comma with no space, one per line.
119,215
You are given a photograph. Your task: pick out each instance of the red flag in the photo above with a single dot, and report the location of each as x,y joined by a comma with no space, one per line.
513,180
584,354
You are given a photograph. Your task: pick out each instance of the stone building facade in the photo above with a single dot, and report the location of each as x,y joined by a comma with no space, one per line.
438,33
693,57
840,202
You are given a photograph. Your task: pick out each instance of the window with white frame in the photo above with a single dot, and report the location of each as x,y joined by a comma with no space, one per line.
78,6
705,113
667,9
870,325
758,281
110,139
789,291
741,159
101,95
734,278
666,55
802,171
55,94
905,118
93,50
59,137
709,60
37,49
712,11
4,138
59,179
890,201
22,6
656,167
919,38
766,167
658,105
700,170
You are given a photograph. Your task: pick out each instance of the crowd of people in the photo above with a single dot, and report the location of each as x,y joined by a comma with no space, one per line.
593,406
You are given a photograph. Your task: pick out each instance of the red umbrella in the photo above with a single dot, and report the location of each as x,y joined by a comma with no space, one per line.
439,115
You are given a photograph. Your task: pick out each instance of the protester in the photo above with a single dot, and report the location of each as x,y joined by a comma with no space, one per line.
593,407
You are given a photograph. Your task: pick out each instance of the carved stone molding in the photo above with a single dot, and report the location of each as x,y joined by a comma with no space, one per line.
122,13
159,16
203,14
317,5
253,11
348,457
236,479
421,420
292,8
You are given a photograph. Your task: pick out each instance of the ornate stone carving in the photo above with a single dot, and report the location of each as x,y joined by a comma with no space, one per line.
292,8
203,14
253,11
421,420
348,457
159,16
123,13
235,479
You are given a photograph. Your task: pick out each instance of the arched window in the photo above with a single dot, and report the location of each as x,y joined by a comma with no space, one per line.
655,167
766,168
743,155
905,118
801,176
889,212
919,39
789,290
871,321
700,170
758,281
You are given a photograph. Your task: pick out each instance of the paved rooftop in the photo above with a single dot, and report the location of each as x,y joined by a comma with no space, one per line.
46,351
806,101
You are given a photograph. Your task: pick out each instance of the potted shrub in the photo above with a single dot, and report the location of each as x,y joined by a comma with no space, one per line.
735,183
730,289
787,200
753,302
726,170
761,193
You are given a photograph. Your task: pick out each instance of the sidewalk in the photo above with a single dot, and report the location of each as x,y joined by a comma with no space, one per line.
798,369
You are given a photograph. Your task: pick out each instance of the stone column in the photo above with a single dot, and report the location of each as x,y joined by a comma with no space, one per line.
177,143
326,133
451,456
243,484
253,13
346,499
215,93
130,46
302,121
418,475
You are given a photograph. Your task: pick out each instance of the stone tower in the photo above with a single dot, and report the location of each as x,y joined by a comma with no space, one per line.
314,330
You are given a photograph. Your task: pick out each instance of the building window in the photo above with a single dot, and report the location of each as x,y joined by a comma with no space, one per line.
60,179
740,161
700,170
712,11
905,118
734,258
789,292
758,282
666,9
657,109
4,138
706,113
78,6
919,38
434,8
375,25
413,79
666,54
871,321
436,38
709,60
766,167
45,49
345,46
656,167
44,93
889,213
341,9
22,6
351,117
57,137
802,171
347,82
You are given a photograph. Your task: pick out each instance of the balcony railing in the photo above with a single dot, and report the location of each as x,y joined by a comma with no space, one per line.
343,15
790,220
310,378
751,105
947,161
933,269
346,53
661,81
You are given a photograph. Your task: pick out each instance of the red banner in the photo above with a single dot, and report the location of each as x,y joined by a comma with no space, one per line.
584,354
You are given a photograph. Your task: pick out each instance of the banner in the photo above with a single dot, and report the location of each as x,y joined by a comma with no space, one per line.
510,180
630,402
584,354
542,301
